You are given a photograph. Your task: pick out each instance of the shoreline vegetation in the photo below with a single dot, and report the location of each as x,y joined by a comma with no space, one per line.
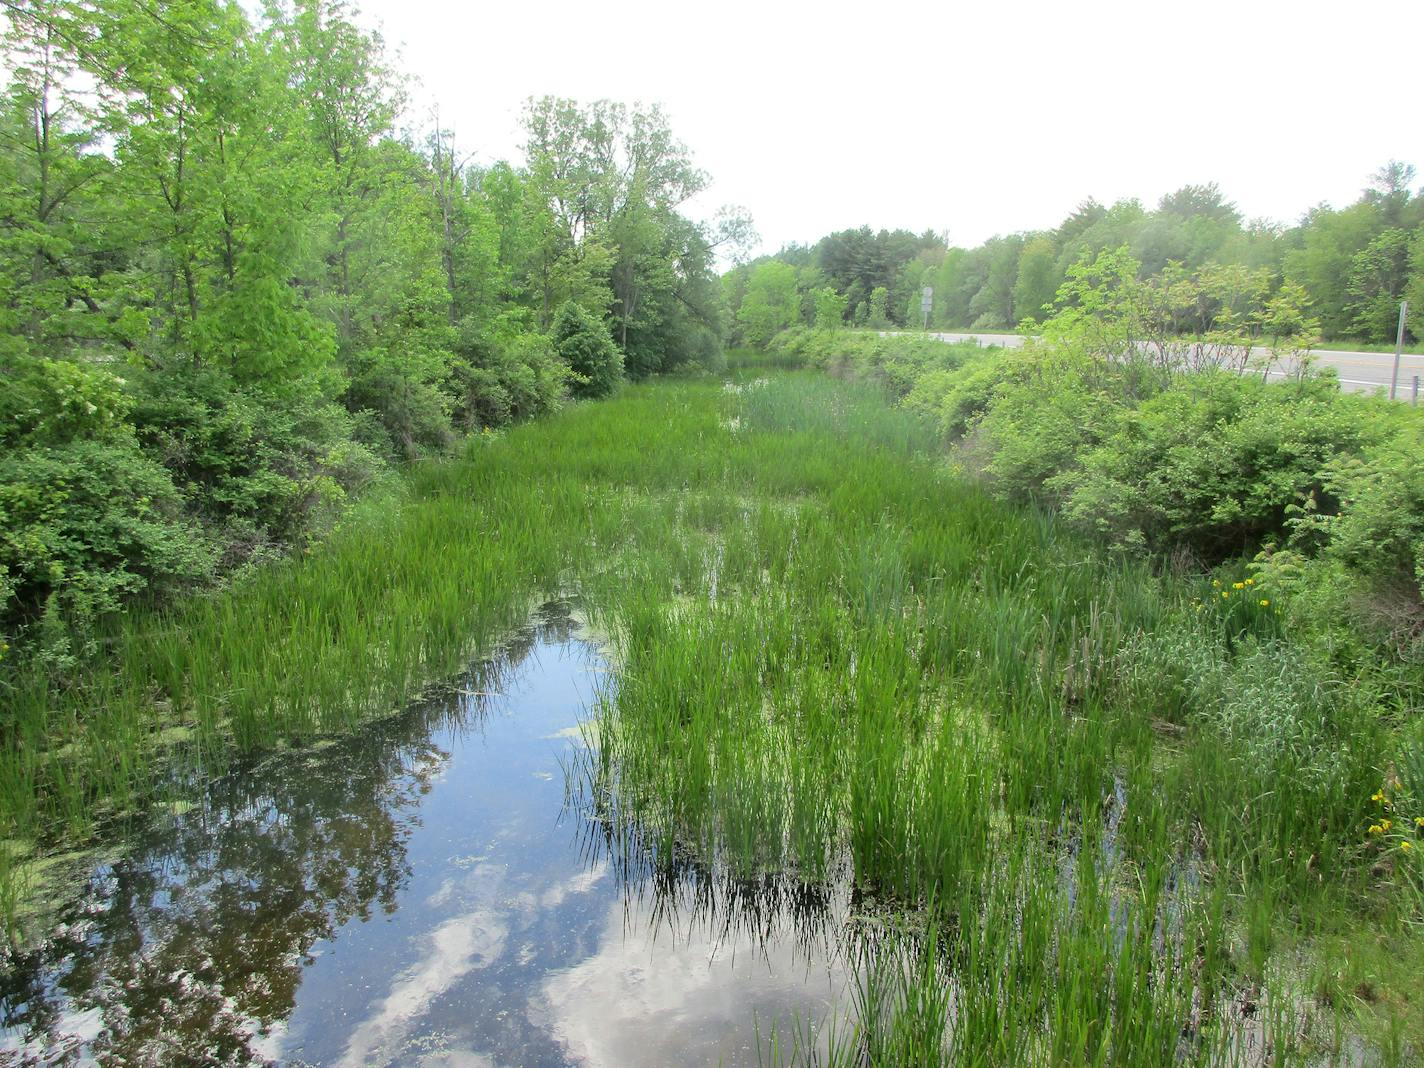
841,659
240,290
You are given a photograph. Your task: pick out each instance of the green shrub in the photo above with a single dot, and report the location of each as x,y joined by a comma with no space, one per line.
1215,462
86,524
970,389
258,471
51,401
1379,528
416,414
506,376
87,519
583,343
1037,424
895,361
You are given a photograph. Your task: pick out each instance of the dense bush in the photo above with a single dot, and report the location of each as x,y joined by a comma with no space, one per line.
897,361
955,399
85,524
414,405
1378,528
238,454
1216,464
505,376
87,517
112,486
582,342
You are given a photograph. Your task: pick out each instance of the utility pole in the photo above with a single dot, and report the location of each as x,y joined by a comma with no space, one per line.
1398,347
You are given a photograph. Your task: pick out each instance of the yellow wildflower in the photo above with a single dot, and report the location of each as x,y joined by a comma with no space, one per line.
1250,582
1419,821
1378,795
1238,585
1265,602
1375,828
1386,824
1406,846
1225,594
1215,584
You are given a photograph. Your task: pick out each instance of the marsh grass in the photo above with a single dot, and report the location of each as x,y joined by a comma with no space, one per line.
1083,820
761,359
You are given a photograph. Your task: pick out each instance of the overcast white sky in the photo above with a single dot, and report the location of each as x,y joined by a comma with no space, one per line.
979,119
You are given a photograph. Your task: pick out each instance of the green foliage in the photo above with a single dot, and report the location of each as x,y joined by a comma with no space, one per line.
1143,415
604,190
1379,273
88,518
1379,527
859,262
1348,267
88,524
956,399
233,286
1216,466
1037,279
582,342
53,401
259,476
506,375
830,309
878,314
992,306
402,373
896,362
770,304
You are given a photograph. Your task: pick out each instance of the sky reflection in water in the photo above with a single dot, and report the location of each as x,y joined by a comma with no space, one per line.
421,895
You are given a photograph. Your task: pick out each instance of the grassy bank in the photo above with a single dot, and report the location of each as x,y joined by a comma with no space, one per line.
1093,812
409,588
1097,808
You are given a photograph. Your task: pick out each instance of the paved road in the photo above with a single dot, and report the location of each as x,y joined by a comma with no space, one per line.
1360,372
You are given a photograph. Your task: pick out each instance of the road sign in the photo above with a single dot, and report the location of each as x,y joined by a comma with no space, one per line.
926,303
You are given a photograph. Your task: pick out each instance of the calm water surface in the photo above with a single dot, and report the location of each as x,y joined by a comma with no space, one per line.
421,895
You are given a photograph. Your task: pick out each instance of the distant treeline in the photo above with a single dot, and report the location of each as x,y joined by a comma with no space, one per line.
1354,264
234,290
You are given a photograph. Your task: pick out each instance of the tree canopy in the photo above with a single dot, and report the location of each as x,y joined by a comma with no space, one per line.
1353,264
238,283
